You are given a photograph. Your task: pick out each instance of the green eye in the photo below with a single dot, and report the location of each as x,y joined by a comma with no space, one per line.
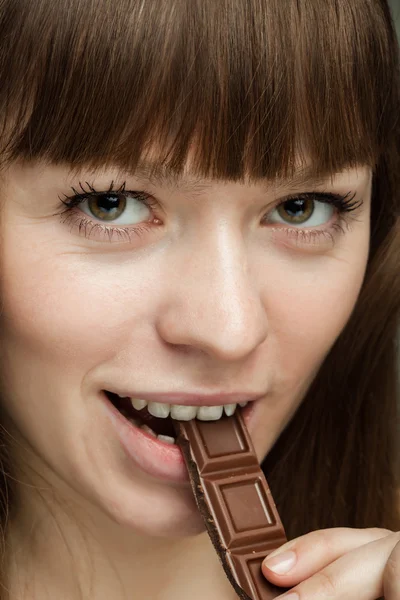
309,210
296,211
107,207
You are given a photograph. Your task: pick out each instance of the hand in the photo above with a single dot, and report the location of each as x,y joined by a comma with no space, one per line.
339,564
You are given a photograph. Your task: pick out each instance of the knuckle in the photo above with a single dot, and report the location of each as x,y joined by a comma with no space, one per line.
325,541
394,537
321,538
379,532
326,585
391,571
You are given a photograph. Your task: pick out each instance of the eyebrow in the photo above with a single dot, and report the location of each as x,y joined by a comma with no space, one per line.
160,175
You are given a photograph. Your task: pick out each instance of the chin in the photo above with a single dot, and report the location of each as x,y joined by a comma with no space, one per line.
158,511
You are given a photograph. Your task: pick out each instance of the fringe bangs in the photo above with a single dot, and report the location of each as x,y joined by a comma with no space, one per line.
97,83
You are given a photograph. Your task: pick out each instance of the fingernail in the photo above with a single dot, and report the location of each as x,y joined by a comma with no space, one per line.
282,563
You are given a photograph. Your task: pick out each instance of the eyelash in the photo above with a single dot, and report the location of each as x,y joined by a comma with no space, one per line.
344,204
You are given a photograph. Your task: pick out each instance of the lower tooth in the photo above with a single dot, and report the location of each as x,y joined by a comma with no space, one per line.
166,438
148,430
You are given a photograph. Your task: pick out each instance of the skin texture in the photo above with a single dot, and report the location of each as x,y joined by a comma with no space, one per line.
208,300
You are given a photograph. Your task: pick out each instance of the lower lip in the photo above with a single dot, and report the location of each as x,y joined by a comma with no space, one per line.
156,458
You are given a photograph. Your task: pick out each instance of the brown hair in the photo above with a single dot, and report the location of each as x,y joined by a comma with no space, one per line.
252,83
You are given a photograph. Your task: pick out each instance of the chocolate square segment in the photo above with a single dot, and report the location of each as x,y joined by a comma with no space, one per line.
247,569
247,504
230,439
244,512
220,445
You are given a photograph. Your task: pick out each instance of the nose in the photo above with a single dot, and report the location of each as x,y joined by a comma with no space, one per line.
214,304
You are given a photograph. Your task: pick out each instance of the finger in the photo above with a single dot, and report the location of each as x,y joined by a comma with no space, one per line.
312,552
357,574
391,575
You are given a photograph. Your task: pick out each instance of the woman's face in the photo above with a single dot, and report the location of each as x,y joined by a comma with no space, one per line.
212,290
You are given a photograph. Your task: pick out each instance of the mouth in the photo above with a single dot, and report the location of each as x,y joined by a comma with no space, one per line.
156,418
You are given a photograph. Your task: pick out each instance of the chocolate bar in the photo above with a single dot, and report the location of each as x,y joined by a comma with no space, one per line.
234,499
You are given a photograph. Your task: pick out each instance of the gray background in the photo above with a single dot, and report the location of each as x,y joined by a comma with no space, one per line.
395,4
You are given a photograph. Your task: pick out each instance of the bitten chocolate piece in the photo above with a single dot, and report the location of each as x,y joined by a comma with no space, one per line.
234,499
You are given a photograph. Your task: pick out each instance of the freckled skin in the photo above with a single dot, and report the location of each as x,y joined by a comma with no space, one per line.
211,301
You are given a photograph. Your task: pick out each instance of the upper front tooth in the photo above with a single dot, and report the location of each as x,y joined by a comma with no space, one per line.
157,409
183,413
229,409
138,403
243,404
209,413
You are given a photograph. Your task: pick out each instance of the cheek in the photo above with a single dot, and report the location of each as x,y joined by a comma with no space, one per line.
316,296
313,313
62,317
66,308
307,312
49,311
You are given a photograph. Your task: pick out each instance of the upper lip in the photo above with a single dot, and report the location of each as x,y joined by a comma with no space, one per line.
192,399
